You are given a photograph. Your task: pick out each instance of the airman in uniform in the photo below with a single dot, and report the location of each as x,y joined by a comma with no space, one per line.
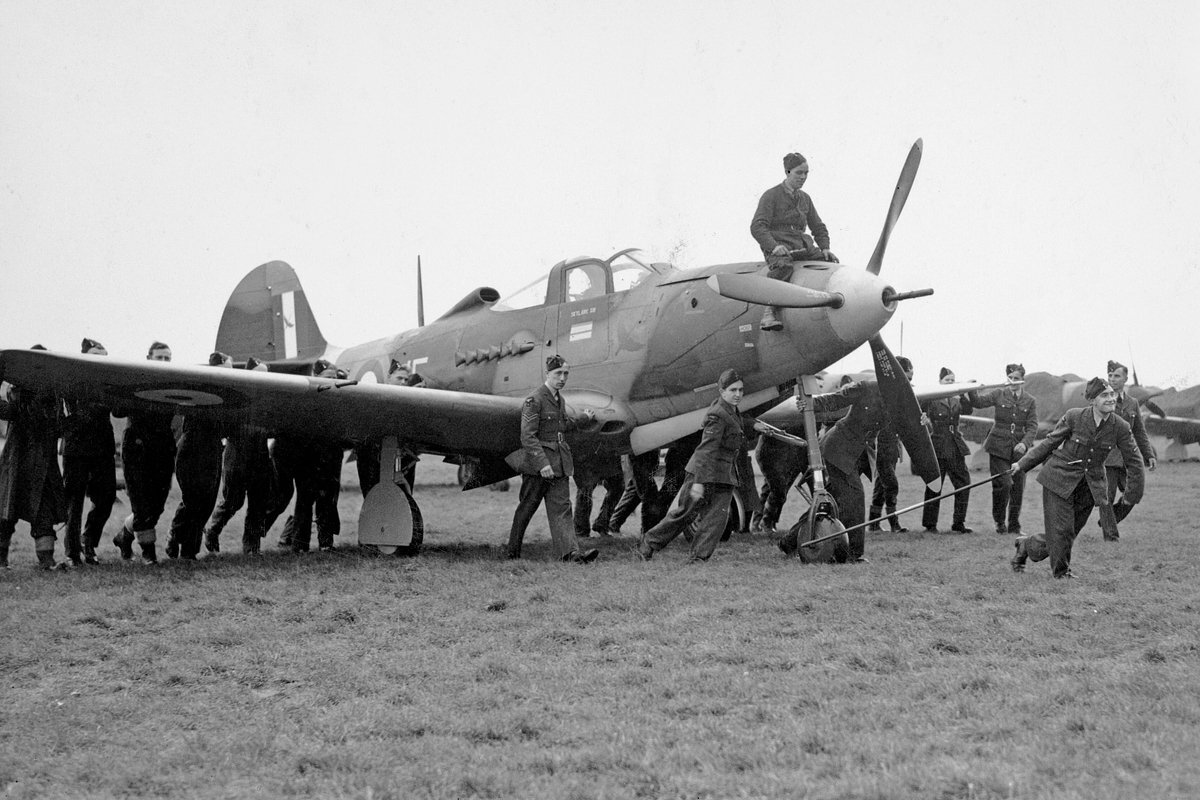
952,450
846,449
781,222
89,471
640,489
1073,475
31,486
544,462
887,454
148,453
245,480
198,471
703,501
1009,439
1129,410
600,468
318,484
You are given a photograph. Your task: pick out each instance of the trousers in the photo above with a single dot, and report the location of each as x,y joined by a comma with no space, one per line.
707,517
556,492
1007,493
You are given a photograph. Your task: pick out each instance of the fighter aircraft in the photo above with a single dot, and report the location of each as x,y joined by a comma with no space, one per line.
645,342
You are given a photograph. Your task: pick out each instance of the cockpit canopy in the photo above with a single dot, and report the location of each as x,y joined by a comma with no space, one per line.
582,278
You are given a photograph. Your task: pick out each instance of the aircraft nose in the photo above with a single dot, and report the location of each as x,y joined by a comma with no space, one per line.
866,309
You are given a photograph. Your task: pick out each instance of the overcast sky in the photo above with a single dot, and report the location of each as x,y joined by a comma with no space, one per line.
152,153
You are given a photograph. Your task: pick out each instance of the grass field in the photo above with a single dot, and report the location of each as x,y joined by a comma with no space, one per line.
932,672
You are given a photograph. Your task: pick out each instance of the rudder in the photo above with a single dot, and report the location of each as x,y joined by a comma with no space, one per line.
268,317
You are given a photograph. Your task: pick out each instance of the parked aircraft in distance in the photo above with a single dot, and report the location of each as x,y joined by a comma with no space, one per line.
1057,393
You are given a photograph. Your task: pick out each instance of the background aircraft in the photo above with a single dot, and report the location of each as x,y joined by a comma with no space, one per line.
645,342
1057,393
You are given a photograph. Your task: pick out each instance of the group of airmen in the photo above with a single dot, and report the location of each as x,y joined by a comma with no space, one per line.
1095,456
219,468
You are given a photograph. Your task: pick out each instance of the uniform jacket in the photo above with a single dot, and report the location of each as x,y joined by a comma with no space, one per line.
150,428
943,415
715,458
200,441
1076,449
887,444
31,486
87,430
781,219
1016,420
851,437
544,420
1130,411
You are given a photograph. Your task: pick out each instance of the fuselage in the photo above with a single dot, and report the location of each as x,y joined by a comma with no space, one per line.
645,341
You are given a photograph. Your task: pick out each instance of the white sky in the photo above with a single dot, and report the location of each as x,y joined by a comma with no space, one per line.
152,153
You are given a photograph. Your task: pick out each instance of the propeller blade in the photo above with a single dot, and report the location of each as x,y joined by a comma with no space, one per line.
904,411
1155,407
770,292
907,176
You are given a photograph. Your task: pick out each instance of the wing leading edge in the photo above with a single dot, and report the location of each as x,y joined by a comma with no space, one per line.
431,420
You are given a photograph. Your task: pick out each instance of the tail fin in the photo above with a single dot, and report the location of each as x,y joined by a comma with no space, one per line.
268,317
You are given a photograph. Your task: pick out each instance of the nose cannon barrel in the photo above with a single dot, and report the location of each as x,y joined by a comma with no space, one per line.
890,295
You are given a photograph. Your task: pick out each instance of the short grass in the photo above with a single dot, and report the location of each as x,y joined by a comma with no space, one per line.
932,672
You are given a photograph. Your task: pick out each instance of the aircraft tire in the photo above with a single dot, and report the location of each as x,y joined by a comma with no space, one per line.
739,520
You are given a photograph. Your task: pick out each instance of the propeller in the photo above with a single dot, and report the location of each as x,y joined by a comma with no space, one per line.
770,292
905,412
907,175
894,387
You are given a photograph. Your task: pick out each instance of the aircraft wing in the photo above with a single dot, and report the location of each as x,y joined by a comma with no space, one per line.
1186,430
786,416
432,420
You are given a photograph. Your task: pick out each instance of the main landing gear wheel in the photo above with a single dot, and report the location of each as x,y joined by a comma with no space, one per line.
417,537
390,521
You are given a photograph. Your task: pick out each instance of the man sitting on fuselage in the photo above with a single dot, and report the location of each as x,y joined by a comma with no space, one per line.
784,215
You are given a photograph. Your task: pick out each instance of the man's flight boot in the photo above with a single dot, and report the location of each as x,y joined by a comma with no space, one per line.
1018,559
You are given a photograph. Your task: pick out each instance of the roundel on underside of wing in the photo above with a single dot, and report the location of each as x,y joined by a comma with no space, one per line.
181,395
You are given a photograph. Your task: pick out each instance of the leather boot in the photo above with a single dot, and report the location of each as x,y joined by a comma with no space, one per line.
89,554
874,514
124,539
514,545
44,546
148,554
894,521
4,556
1020,556
212,541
